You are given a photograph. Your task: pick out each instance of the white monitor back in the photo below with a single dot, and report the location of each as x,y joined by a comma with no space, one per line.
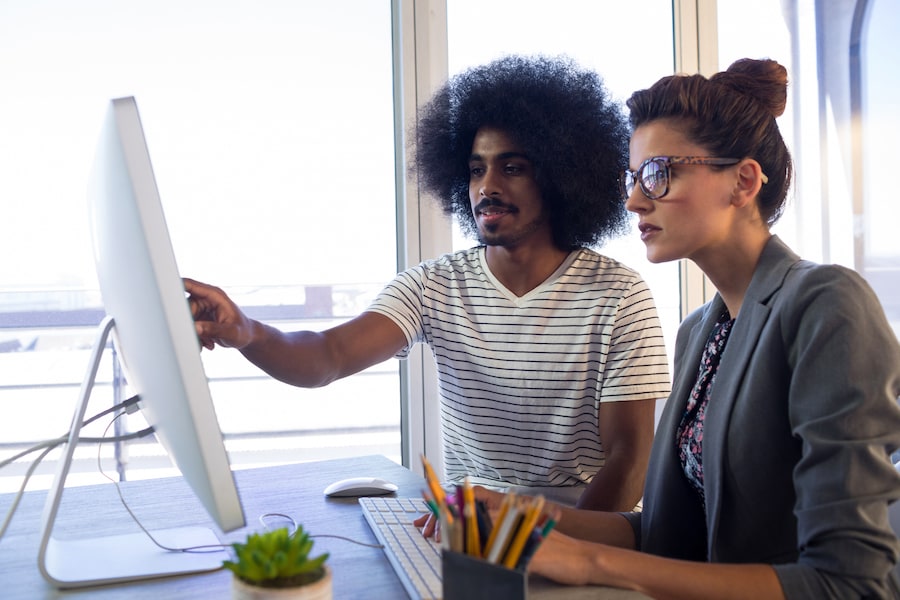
150,319
143,292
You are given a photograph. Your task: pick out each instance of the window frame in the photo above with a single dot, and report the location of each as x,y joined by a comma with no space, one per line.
419,55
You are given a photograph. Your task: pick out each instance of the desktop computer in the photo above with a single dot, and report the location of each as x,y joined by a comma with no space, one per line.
149,321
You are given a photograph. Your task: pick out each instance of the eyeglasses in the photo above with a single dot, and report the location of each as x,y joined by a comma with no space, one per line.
653,174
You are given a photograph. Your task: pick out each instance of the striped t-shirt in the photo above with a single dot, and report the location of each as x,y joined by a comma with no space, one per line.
521,378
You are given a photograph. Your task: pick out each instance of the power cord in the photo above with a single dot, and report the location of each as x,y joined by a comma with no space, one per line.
51,444
198,549
128,406
263,519
293,528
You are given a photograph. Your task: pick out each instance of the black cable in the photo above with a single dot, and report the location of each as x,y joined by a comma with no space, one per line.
48,445
53,443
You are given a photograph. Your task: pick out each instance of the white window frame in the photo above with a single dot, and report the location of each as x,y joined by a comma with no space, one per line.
420,67
420,38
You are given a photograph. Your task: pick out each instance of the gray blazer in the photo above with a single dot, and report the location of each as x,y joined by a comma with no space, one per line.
798,434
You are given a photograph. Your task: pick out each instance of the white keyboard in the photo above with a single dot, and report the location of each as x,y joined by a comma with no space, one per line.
416,560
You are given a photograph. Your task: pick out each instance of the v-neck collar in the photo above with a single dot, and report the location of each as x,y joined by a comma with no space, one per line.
524,299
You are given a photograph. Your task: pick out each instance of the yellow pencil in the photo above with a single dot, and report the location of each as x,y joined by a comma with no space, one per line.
505,531
440,497
525,529
473,545
492,536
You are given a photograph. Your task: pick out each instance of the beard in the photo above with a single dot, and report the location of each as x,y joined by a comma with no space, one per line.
489,236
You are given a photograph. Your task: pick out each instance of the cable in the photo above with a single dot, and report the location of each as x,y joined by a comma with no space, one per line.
288,518
129,406
346,539
49,445
200,549
18,497
293,528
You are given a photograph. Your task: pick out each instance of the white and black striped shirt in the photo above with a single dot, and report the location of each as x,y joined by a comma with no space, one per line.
521,378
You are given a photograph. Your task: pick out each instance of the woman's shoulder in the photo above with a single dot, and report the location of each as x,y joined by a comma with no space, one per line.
807,279
780,264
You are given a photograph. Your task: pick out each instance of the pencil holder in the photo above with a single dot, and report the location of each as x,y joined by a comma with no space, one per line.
468,578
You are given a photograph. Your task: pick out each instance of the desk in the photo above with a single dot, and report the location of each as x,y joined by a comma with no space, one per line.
295,490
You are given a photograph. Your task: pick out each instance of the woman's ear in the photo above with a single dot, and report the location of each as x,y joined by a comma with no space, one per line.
750,179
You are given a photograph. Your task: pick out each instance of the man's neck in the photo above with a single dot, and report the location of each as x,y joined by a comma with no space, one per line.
521,269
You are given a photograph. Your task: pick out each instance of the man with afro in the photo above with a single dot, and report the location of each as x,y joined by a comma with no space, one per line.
550,356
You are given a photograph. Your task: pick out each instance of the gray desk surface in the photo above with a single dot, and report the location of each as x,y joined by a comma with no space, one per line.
294,490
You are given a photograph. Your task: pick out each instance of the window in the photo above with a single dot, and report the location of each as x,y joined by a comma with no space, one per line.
840,125
271,127
874,87
594,34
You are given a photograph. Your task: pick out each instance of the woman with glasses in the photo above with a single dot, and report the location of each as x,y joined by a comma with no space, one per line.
771,473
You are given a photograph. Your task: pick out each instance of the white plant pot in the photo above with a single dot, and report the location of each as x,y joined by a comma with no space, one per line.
320,590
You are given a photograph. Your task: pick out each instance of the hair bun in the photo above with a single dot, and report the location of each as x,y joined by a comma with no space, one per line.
764,80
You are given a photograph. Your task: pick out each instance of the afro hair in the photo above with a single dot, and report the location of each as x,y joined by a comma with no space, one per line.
564,119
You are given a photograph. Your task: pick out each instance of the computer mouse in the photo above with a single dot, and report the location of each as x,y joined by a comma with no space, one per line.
360,486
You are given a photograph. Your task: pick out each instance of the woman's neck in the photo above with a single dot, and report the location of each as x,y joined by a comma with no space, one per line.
732,269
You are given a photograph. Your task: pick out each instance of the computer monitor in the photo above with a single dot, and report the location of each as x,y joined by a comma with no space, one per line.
150,322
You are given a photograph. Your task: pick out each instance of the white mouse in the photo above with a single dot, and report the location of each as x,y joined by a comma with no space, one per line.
360,486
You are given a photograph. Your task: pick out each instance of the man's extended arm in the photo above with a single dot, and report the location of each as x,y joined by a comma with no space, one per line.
301,358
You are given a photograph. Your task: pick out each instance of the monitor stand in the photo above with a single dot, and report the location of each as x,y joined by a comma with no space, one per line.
91,561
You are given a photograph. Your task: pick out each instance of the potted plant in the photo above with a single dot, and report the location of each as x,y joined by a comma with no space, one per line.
276,564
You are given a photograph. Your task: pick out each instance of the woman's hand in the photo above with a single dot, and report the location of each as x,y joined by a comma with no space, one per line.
429,525
564,559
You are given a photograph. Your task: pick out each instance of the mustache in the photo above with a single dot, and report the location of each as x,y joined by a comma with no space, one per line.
492,202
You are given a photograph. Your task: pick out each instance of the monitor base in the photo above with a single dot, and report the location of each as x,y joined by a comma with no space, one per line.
131,557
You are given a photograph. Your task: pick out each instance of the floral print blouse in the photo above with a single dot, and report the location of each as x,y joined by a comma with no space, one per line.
690,432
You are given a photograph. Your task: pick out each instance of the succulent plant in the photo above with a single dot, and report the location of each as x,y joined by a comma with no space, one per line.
276,558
